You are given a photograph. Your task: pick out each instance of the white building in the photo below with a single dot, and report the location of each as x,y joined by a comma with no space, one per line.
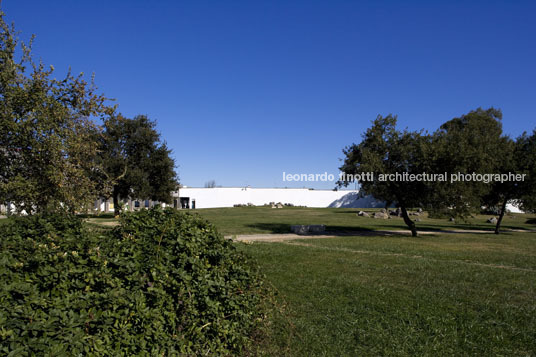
189,197
192,197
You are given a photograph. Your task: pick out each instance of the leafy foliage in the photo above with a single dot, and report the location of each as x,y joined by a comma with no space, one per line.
385,150
470,143
134,160
526,159
46,135
52,154
163,283
475,142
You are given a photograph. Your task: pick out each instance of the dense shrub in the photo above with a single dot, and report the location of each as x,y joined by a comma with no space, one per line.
162,283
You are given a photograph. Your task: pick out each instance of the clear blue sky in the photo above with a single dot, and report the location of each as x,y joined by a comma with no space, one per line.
244,90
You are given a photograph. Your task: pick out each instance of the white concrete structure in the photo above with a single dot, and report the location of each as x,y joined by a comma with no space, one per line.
230,196
103,205
192,197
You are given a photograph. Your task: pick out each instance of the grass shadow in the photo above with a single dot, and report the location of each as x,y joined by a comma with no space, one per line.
435,228
271,227
281,228
531,221
346,229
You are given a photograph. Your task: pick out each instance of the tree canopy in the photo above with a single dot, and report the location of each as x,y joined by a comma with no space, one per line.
53,155
526,159
472,143
46,131
385,150
135,161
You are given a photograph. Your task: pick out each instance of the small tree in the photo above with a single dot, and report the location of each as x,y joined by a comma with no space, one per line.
210,184
47,144
526,159
470,143
135,162
500,193
385,151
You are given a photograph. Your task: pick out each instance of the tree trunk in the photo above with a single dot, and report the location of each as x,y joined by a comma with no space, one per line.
501,215
117,209
408,221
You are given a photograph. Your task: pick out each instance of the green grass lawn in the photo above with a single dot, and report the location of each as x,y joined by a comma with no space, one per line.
445,294
465,294
251,220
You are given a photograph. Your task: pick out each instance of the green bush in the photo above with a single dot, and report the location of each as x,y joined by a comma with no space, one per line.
162,283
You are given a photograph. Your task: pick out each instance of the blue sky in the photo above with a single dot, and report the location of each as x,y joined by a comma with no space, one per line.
243,91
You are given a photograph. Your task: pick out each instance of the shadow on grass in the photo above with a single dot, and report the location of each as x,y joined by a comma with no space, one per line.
434,228
282,228
347,229
272,227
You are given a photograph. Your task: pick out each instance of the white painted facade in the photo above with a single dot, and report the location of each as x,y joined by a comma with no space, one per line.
230,196
102,205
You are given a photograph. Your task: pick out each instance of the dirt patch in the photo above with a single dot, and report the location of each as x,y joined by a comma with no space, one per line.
282,237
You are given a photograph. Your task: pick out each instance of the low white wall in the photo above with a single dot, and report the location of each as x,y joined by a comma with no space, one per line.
229,196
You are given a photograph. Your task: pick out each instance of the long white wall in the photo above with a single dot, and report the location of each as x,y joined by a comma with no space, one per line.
229,196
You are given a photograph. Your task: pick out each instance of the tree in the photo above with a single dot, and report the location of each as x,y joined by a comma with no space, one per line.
526,159
472,143
134,161
387,151
500,193
46,131
210,184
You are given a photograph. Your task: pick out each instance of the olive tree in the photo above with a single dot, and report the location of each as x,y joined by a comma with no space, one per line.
47,136
385,151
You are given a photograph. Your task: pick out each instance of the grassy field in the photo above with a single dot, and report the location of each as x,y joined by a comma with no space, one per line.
463,294
444,294
447,294
251,220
